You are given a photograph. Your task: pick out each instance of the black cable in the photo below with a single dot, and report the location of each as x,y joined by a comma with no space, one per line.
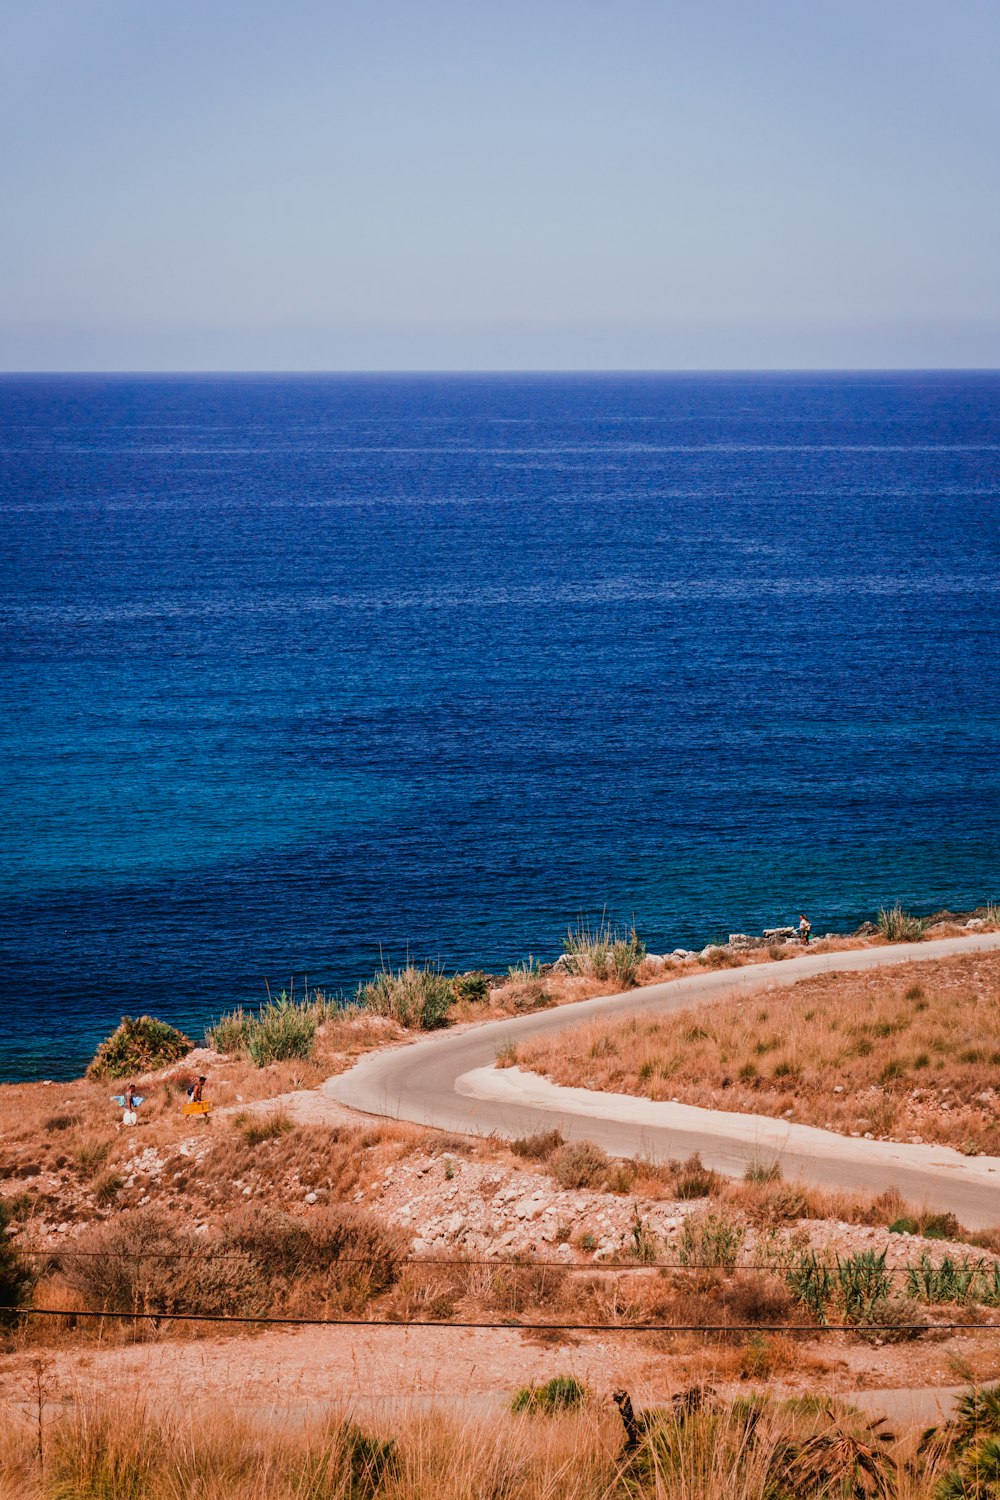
706,1328
587,1267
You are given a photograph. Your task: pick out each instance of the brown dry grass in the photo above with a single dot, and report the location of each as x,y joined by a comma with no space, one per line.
102,1448
898,1053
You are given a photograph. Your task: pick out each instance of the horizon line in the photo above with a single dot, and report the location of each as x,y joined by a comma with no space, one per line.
480,371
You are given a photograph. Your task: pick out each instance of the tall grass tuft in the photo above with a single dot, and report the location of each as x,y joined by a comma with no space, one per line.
415,996
898,926
603,951
280,1029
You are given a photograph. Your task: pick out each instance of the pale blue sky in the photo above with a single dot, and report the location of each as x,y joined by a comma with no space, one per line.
232,184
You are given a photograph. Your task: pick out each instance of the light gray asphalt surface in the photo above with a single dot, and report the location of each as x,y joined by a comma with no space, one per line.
417,1082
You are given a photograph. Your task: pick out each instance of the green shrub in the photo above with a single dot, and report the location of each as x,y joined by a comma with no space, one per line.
604,951
370,1461
280,1029
812,1283
580,1164
898,926
16,1279
472,987
415,997
138,1045
863,1279
940,1227
959,1282
905,1225
561,1393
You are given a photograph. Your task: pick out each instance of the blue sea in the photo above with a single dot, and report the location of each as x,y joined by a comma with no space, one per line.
299,672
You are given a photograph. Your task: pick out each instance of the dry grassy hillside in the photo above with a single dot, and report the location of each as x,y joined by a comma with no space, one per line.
908,1053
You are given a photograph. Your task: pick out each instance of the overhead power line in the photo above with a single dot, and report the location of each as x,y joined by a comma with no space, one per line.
585,1267
302,1322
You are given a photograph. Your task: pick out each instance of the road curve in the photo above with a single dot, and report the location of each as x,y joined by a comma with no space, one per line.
427,1082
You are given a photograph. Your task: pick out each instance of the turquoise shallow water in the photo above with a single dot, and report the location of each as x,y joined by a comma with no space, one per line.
299,667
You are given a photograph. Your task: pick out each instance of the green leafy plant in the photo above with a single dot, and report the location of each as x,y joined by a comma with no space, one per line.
472,987
863,1280
812,1283
898,926
417,997
561,1393
138,1045
282,1028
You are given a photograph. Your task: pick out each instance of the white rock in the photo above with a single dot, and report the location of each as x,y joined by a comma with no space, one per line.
311,1198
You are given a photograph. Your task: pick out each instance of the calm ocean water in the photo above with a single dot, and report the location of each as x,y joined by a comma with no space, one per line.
299,667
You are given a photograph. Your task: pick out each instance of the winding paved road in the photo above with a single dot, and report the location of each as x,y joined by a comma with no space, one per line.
448,1081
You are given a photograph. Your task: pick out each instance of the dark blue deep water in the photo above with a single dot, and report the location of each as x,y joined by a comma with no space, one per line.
298,667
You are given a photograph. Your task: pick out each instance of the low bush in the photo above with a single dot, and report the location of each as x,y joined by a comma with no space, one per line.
417,998
537,1147
692,1179
257,1128
940,1227
261,1261
107,1187
603,951
898,926
580,1164
471,988
892,1320
337,1252
138,1045
280,1029
710,1240
561,1393
760,1170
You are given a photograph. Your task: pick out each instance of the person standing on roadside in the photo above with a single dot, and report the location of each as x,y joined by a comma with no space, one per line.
805,928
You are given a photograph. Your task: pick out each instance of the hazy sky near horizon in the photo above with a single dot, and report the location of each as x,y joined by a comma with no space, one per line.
555,184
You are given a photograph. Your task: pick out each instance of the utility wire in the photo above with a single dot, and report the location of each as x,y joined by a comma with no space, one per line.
300,1322
586,1267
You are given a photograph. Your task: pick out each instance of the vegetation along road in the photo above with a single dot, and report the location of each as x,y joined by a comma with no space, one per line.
450,1082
